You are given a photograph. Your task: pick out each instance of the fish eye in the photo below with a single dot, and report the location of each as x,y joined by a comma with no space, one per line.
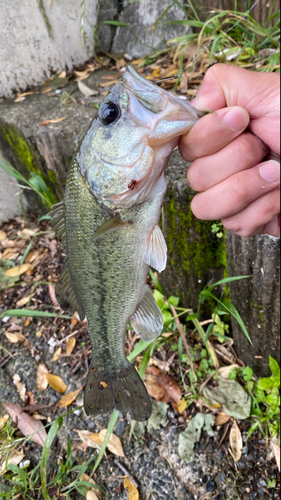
109,113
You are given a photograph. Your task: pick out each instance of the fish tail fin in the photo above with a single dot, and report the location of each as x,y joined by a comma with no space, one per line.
123,390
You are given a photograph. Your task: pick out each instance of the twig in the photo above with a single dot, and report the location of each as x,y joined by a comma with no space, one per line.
123,469
68,337
225,432
181,332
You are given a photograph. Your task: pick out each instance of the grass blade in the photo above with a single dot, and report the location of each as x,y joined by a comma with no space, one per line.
23,313
46,448
109,430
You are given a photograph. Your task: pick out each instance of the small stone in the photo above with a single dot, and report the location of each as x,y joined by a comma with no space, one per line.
220,478
155,454
245,450
210,486
120,428
205,479
262,482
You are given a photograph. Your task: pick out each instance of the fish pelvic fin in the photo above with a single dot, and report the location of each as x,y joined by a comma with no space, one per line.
122,390
113,223
147,320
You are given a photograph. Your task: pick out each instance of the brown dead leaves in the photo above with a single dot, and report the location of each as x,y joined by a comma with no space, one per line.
162,387
235,441
26,424
133,491
95,440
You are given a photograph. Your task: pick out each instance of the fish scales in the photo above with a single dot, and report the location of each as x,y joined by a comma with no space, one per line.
108,223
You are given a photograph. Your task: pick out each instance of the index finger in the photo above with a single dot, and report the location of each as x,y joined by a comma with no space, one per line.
213,132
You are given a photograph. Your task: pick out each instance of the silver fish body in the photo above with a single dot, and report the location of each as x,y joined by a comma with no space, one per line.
108,224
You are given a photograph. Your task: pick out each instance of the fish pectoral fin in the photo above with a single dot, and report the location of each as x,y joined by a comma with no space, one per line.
156,252
147,321
66,295
57,222
113,223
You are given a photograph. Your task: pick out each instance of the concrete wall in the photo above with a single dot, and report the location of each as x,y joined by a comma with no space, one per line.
140,17
28,53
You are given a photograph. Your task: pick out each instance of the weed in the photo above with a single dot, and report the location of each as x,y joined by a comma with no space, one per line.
34,183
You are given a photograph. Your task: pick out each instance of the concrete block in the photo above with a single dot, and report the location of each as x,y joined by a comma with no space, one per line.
140,17
29,54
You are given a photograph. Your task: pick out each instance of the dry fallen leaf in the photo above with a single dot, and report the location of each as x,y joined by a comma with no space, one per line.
3,421
56,382
26,424
3,235
53,294
133,492
181,404
107,84
70,345
114,444
14,459
172,391
57,120
57,354
91,439
222,418
62,74
85,90
276,450
20,386
23,301
17,270
14,338
69,398
236,441
93,493
224,371
42,373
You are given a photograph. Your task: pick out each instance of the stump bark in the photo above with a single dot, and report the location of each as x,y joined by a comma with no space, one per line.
257,298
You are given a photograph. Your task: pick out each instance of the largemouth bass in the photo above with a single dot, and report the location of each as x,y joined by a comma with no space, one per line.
108,224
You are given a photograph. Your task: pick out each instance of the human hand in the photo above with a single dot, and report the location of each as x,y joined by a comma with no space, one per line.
227,149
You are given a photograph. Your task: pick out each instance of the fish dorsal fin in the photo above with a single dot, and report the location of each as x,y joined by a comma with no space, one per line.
156,251
57,222
147,321
65,294
108,225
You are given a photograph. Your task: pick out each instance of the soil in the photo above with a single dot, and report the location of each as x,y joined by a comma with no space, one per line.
152,457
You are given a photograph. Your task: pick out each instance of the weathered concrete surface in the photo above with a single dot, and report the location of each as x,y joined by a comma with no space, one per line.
10,197
46,149
140,17
257,298
28,53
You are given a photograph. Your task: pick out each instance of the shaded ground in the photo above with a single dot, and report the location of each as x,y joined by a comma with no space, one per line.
151,457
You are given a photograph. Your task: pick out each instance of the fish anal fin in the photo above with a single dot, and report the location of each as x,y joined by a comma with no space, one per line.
156,251
57,222
147,320
122,389
113,223
65,294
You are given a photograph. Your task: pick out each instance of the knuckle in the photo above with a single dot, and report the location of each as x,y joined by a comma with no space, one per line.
195,177
247,149
238,189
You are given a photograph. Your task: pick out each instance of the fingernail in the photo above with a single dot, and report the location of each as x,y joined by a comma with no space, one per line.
270,171
194,101
236,119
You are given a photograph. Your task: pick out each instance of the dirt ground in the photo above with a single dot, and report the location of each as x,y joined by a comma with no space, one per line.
151,456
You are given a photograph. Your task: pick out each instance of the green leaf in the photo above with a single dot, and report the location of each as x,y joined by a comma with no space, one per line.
247,373
274,366
174,301
268,383
116,23
159,299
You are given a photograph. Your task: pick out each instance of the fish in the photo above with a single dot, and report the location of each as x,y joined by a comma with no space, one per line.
108,225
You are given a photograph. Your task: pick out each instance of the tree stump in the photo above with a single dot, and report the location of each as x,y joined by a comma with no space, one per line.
256,298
